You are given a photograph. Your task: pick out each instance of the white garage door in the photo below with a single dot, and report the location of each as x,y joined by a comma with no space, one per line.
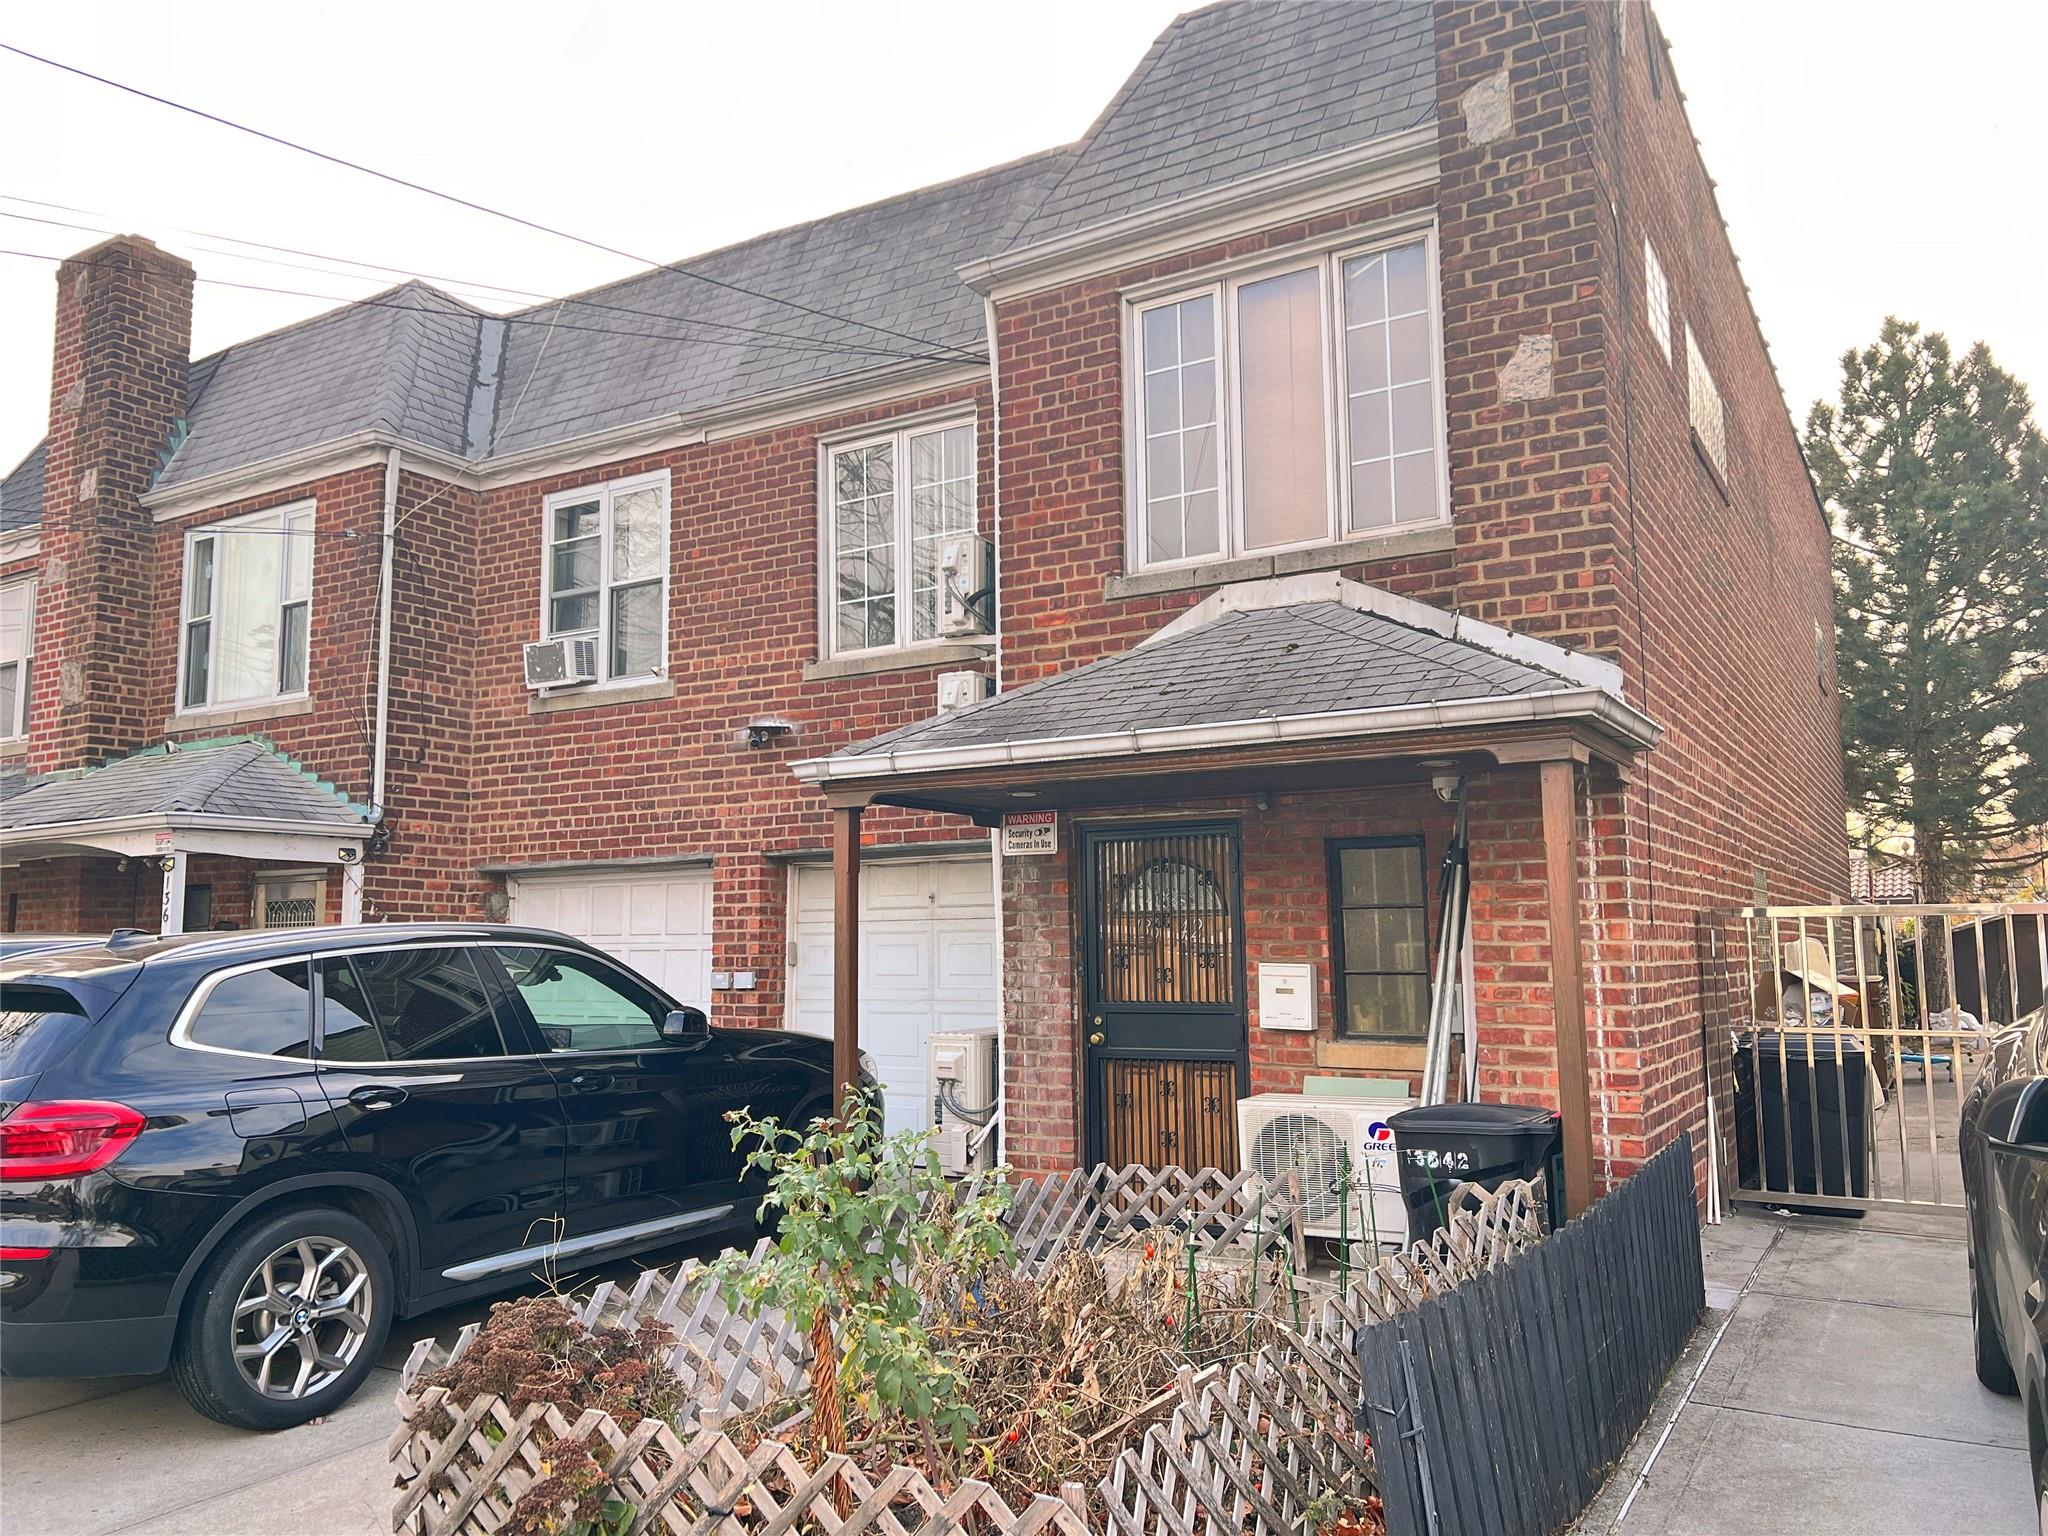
927,962
658,922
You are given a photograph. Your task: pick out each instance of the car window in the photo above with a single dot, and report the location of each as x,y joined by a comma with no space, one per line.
266,1013
348,1030
582,1004
428,1004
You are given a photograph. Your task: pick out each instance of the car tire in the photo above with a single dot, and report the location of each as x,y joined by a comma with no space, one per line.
1993,1368
269,1367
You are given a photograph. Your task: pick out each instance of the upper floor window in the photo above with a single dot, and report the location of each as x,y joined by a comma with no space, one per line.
890,501
1289,407
248,608
17,632
1657,299
1703,401
607,573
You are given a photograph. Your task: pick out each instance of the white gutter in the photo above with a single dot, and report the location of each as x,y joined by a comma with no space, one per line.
388,539
349,830
1593,704
358,450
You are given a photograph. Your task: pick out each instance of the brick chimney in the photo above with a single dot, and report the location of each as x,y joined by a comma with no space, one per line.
124,343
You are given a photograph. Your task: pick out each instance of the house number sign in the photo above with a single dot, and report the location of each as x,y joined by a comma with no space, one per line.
1030,832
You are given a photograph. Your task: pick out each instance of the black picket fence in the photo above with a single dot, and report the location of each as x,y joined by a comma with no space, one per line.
1498,1408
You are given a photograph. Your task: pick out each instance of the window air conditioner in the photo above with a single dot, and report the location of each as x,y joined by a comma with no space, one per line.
960,1069
559,663
966,570
1280,1132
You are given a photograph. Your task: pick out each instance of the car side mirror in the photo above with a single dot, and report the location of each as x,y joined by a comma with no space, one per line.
683,1024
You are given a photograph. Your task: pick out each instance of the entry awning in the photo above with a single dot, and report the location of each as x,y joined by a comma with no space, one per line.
241,797
1299,670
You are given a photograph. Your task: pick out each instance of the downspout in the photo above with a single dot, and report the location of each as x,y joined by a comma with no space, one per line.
995,608
389,540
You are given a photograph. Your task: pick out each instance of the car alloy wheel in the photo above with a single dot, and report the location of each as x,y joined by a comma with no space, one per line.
302,1317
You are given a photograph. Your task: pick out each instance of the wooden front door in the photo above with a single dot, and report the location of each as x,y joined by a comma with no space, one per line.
1165,1014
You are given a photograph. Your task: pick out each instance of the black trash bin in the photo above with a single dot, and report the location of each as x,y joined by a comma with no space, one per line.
1788,1109
1440,1146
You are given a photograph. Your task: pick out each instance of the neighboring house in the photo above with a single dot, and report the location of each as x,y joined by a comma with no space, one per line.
1369,399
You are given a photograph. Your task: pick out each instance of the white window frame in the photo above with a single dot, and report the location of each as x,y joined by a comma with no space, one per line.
17,727
605,492
1222,286
1701,392
1657,298
282,515
898,434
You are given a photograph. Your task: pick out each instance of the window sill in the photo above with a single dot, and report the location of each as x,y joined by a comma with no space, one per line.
1358,1054
598,696
236,714
1435,539
907,659
13,747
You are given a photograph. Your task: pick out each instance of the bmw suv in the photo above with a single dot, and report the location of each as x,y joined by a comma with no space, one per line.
243,1157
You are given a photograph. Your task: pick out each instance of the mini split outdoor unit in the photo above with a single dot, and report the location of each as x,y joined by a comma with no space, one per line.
1282,1132
966,575
960,1069
558,663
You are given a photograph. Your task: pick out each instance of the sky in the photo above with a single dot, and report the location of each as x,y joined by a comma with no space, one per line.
1873,156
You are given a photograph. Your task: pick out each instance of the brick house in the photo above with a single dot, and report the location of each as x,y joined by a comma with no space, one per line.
1366,413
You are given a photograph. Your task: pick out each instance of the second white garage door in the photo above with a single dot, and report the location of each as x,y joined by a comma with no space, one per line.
927,962
658,922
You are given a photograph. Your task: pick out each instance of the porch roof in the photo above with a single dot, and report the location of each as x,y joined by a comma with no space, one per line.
1296,660
232,783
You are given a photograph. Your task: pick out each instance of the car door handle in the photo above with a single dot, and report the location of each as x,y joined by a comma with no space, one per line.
591,1082
377,1096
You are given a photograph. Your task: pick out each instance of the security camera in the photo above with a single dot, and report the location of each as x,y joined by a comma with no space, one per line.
1446,785
346,855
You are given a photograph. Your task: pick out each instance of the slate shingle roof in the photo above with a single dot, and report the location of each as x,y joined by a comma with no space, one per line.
1225,93
1234,90
237,778
1258,664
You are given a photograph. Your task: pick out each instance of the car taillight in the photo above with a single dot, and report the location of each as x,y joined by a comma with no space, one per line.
17,1255
61,1140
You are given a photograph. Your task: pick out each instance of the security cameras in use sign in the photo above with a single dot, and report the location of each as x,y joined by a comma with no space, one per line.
1030,832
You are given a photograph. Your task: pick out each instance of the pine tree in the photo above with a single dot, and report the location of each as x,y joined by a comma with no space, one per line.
1933,473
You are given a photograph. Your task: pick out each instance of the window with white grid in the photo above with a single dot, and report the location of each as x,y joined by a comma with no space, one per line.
17,633
891,501
1657,299
1703,402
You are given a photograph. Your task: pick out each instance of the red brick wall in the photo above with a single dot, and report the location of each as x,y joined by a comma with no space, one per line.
124,333
674,777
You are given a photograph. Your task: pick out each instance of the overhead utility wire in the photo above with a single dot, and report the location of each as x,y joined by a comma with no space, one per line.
476,207
809,343
826,348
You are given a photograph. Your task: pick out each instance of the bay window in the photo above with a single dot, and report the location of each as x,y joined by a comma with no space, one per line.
607,574
890,502
247,609
1288,407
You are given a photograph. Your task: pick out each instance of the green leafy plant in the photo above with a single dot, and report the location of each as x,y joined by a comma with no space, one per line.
873,1241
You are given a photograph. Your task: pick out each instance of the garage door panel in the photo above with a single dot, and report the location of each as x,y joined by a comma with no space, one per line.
658,924
646,909
895,886
963,887
896,962
965,958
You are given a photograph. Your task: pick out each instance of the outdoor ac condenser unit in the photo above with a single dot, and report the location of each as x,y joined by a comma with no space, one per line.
558,663
966,573
1279,1132
960,1068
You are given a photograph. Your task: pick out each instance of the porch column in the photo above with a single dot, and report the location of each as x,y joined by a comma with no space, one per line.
845,950
1568,978
352,890
172,917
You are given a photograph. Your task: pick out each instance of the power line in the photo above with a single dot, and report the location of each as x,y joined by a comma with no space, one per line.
824,348
810,343
476,207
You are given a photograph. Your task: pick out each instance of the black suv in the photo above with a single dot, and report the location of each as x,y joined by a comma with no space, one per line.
243,1156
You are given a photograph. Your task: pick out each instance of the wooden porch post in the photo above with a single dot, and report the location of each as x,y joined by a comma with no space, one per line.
1568,978
845,950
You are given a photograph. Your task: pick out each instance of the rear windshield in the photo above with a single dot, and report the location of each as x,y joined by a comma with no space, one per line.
37,1026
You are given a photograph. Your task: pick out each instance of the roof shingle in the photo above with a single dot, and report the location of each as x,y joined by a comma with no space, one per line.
232,778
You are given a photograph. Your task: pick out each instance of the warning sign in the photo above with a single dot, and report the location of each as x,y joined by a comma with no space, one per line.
1030,832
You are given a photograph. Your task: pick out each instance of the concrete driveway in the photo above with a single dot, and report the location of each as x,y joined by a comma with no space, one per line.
1840,1398
124,1454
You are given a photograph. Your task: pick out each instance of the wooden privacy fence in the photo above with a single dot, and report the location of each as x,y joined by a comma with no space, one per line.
1496,1409
1258,1445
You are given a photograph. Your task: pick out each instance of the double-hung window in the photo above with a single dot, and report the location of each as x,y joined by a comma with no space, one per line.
1703,404
1380,924
607,574
890,501
1288,406
247,608
17,632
